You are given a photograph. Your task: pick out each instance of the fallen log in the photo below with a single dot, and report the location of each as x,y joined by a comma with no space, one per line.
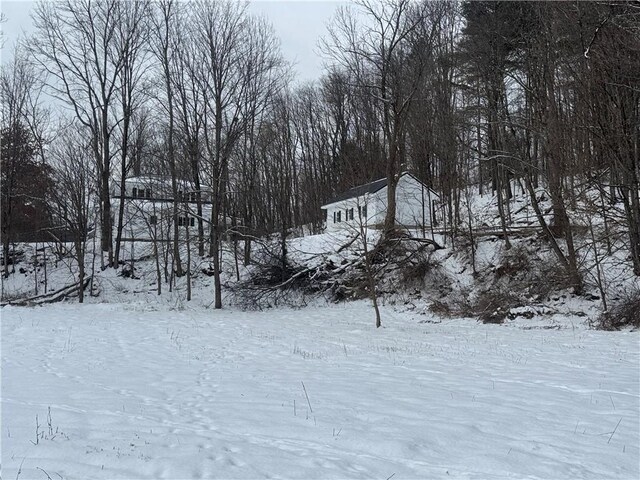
46,298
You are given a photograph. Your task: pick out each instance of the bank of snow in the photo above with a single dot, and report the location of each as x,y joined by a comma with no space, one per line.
142,392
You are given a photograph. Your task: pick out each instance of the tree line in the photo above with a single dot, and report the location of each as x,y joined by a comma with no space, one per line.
485,97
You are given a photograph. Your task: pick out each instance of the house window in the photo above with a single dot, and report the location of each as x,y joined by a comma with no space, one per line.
349,214
148,193
153,219
338,216
362,211
186,221
135,192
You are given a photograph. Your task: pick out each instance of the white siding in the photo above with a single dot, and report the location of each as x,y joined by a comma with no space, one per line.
413,206
148,219
379,207
158,188
344,207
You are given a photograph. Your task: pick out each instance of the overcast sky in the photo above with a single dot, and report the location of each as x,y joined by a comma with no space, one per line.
298,23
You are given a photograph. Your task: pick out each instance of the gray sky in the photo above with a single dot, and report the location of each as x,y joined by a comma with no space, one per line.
298,23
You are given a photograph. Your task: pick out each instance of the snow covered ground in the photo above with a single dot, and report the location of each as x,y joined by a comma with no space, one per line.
146,391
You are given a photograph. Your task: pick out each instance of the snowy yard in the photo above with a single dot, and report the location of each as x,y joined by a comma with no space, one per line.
138,392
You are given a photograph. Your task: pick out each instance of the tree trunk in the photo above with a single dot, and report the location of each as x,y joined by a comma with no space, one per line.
121,197
80,257
106,231
217,284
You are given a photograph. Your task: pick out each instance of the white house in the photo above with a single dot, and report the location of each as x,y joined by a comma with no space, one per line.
158,188
367,205
148,209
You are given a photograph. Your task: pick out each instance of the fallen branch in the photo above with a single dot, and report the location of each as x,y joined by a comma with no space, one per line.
53,297
426,241
348,244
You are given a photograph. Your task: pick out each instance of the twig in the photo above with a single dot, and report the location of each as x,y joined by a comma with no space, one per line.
305,394
48,477
614,430
49,416
20,467
37,432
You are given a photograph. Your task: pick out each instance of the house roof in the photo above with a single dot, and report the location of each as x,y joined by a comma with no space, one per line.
165,181
157,180
361,190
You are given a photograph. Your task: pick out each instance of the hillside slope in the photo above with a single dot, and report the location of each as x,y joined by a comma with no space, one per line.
474,274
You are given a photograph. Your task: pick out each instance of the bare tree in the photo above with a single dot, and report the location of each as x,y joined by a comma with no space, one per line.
23,140
376,49
132,35
229,68
266,76
165,50
74,196
370,269
610,80
88,49
189,110
3,18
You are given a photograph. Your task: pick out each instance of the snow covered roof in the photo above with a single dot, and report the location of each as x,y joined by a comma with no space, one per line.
157,179
361,190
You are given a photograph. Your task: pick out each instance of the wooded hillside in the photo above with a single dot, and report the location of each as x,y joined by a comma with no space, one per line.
490,98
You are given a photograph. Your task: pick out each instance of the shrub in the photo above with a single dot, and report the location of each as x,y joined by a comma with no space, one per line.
514,262
415,271
128,271
625,313
440,308
531,273
493,306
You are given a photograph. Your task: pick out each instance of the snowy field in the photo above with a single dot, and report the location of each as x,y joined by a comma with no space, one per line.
132,391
